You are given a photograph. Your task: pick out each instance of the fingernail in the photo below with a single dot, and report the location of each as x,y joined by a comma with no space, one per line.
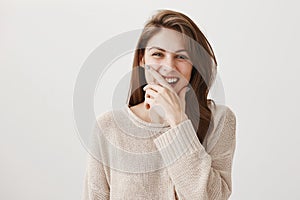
187,89
147,67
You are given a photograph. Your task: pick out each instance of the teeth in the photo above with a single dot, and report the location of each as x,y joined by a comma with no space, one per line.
172,80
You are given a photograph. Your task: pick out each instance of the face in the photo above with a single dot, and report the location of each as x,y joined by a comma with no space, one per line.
165,52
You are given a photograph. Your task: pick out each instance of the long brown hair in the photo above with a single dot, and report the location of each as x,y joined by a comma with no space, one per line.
202,57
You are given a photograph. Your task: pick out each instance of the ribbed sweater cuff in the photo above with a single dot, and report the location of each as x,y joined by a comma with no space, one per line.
178,141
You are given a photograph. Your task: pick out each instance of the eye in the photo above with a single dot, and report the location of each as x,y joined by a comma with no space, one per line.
182,57
157,54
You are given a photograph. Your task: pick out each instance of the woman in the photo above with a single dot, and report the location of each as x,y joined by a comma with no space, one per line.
194,137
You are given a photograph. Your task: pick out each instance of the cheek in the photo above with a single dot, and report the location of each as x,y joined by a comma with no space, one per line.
148,57
153,62
186,72
149,60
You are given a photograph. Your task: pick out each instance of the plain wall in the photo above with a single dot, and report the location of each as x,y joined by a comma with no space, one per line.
43,45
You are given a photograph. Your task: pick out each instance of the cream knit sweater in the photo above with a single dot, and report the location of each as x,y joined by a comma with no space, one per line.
131,159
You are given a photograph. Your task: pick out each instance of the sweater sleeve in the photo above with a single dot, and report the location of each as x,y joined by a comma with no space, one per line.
95,183
195,173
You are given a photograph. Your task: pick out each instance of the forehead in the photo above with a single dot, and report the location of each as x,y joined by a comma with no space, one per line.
167,39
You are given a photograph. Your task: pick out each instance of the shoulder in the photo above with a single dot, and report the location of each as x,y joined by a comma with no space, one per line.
108,119
222,113
104,117
223,129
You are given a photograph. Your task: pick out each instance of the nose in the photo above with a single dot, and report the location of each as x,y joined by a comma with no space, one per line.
168,64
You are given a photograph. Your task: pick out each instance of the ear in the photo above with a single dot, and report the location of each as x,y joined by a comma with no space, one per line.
142,62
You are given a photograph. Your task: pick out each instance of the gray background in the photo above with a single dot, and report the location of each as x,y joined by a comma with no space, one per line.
44,43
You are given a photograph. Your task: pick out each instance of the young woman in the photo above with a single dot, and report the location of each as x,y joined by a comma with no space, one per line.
169,141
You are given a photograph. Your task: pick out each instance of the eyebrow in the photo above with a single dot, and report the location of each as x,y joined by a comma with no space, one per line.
165,50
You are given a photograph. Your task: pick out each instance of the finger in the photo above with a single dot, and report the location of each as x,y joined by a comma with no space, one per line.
148,102
159,78
156,88
181,95
151,93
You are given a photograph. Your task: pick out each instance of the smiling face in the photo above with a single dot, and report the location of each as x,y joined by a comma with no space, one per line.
166,53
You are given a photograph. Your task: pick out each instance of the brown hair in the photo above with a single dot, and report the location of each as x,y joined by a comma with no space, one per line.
202,57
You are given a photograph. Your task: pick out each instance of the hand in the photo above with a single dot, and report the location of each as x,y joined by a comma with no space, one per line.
165,97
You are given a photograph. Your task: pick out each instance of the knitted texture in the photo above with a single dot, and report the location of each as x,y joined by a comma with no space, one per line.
173,163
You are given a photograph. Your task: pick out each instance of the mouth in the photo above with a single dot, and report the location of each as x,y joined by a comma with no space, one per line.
171,80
